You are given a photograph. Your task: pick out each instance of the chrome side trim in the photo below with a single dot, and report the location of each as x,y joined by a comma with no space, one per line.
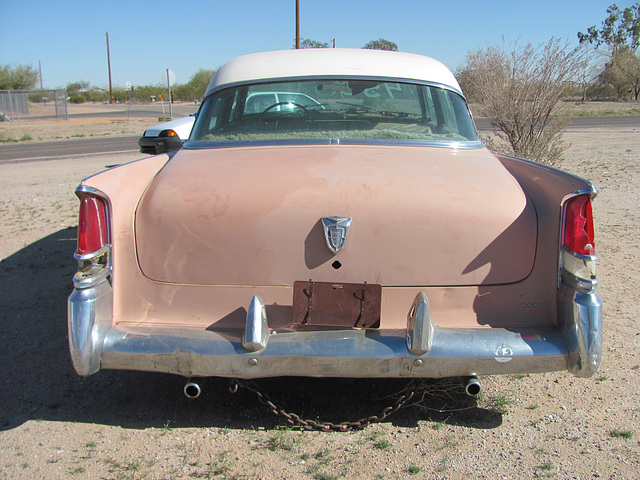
420,328
256,332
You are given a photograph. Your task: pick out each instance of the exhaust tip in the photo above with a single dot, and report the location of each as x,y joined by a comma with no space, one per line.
473,387
192,390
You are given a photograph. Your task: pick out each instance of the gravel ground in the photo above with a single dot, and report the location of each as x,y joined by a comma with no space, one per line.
131,425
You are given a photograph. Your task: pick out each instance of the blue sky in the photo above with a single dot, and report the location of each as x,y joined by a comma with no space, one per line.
145,38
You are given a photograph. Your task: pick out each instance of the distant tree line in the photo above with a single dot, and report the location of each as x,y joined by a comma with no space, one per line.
25,77
380,44
192,91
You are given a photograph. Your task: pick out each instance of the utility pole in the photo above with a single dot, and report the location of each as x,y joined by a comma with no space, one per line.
297,24
109,65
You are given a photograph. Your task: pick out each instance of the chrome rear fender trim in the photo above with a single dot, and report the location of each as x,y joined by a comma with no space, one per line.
90,311
580,320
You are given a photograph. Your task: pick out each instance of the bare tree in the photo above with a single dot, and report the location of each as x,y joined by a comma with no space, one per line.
520,91
588,69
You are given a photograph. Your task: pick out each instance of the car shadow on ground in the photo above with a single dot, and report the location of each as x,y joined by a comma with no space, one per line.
37,379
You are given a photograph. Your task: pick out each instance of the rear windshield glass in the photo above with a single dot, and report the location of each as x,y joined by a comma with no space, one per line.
349,109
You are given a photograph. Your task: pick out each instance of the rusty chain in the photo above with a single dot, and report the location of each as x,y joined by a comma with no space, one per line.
292,419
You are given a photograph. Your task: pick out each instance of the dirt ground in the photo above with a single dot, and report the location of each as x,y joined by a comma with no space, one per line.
130,425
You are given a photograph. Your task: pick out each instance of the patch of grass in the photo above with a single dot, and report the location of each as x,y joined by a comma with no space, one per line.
323,455
602,378
219,467
443,464
626,434
77,471
382,444
608,112
500,403
547,467
282,441
413,469
133,465
24,137
166,428
449,442
324,476
533,407
439,425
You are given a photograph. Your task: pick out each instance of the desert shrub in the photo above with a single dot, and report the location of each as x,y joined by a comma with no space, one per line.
520,91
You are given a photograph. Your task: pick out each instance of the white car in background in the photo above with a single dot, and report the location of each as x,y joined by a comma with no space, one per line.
167,136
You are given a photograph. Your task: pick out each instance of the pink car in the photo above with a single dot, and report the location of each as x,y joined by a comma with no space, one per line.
363,232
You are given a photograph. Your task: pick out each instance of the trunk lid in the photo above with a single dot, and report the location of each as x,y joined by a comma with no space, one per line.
253,216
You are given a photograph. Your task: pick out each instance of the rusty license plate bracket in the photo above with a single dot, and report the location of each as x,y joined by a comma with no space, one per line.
336,305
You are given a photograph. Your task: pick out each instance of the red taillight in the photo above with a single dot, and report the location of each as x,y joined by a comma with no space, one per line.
92,225
578,226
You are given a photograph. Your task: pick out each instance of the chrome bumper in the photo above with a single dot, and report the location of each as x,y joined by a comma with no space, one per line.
422,350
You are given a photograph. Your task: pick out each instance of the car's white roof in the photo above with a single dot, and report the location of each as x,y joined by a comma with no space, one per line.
332,62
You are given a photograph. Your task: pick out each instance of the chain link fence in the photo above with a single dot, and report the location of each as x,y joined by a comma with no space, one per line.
33,104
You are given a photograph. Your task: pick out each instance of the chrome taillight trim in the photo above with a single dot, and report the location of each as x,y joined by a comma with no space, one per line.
91,255
582,279
94,267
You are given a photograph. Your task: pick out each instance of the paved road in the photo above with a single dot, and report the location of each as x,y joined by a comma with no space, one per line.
67,148
79,147
582,122
152,110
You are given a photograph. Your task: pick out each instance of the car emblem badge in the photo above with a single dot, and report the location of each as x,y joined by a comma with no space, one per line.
336,232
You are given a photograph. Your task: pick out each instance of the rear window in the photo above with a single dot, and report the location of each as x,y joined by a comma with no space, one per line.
343,109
